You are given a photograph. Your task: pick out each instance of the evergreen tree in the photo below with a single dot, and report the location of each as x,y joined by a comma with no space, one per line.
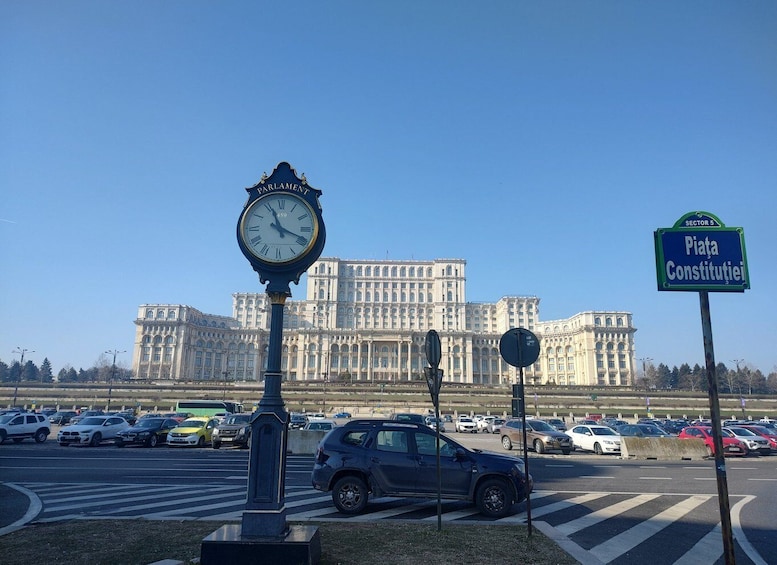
30,372
663,376
5,373
15,372
44,373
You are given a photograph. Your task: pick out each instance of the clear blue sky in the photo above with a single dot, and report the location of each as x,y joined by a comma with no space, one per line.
543,142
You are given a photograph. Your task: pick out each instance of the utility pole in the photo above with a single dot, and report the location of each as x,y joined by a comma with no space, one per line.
21,368
644,370
115,352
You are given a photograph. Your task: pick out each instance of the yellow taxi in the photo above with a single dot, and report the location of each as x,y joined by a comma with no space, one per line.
195,431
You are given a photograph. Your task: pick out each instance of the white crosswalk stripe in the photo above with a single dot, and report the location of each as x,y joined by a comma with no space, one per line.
218,502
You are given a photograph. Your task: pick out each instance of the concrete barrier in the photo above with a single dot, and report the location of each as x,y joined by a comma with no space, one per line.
304,442
662,448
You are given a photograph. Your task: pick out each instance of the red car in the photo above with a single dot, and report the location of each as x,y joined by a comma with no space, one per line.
762,431
731,446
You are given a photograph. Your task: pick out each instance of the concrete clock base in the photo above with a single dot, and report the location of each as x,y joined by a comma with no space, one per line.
302,546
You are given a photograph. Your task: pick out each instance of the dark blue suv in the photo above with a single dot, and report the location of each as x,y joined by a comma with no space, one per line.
392,458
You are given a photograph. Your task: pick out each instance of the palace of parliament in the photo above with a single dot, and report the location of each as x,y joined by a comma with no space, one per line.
367,321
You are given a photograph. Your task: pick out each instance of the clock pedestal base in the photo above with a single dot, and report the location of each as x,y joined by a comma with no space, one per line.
300,546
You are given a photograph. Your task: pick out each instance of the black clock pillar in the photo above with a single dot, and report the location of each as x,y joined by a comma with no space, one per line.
265,513
281,233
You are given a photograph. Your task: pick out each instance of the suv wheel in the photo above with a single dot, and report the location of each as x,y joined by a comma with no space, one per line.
96,438
40,436
506,443
493,498
2,436
350,495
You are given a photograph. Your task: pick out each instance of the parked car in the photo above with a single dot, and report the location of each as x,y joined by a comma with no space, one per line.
342,415
409,417
764,432
754,442
557,423
495,426
482,424
320,425
92,431
540,436
129,416
62,417
19,427
641,430
466,424
596,438
731,446
193,432
316,416
297,421
434,423
613,423
388,458
148,432
232,431
674,427
86,414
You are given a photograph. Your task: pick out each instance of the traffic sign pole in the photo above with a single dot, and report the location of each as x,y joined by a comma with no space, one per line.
717,434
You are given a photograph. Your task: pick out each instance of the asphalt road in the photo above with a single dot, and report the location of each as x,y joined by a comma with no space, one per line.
603,504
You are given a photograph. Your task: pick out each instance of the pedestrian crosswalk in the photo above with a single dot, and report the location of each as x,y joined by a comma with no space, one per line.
610,527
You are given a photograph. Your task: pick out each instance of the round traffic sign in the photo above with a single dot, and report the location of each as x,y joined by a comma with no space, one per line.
519,347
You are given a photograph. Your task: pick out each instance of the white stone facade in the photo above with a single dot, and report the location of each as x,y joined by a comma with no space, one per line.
367,321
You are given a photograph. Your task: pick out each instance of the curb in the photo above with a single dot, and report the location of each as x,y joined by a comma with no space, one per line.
33,509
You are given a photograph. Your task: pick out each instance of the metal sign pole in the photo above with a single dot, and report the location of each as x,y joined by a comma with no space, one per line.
525,448
717,439
434,376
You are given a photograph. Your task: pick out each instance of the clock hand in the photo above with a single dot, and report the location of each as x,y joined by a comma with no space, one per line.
280,228
291,233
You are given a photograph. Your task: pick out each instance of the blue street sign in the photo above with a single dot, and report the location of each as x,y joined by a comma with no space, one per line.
700,254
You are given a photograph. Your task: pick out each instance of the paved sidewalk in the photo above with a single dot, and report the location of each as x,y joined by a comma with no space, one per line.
19,505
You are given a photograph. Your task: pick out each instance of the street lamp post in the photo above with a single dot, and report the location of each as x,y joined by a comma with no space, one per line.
225,372
21,368
115,352
644,370
739,376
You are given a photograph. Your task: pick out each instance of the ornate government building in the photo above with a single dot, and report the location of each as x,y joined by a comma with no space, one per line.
367,321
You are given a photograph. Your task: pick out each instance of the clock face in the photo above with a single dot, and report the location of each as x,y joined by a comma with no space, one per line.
279,228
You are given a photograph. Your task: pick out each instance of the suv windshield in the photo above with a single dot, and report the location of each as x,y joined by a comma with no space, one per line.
241,419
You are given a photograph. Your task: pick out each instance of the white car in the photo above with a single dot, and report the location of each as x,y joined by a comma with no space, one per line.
320,425
596,438
92,430
20,426
466,424
754,442
484,422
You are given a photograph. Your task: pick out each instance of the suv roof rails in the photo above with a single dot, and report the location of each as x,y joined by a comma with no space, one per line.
382,422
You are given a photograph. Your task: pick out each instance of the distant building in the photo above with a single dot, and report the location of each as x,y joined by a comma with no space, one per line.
367,321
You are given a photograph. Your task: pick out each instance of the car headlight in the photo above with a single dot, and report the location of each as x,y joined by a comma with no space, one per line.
215,432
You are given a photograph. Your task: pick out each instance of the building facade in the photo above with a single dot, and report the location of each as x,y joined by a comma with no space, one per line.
367,321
